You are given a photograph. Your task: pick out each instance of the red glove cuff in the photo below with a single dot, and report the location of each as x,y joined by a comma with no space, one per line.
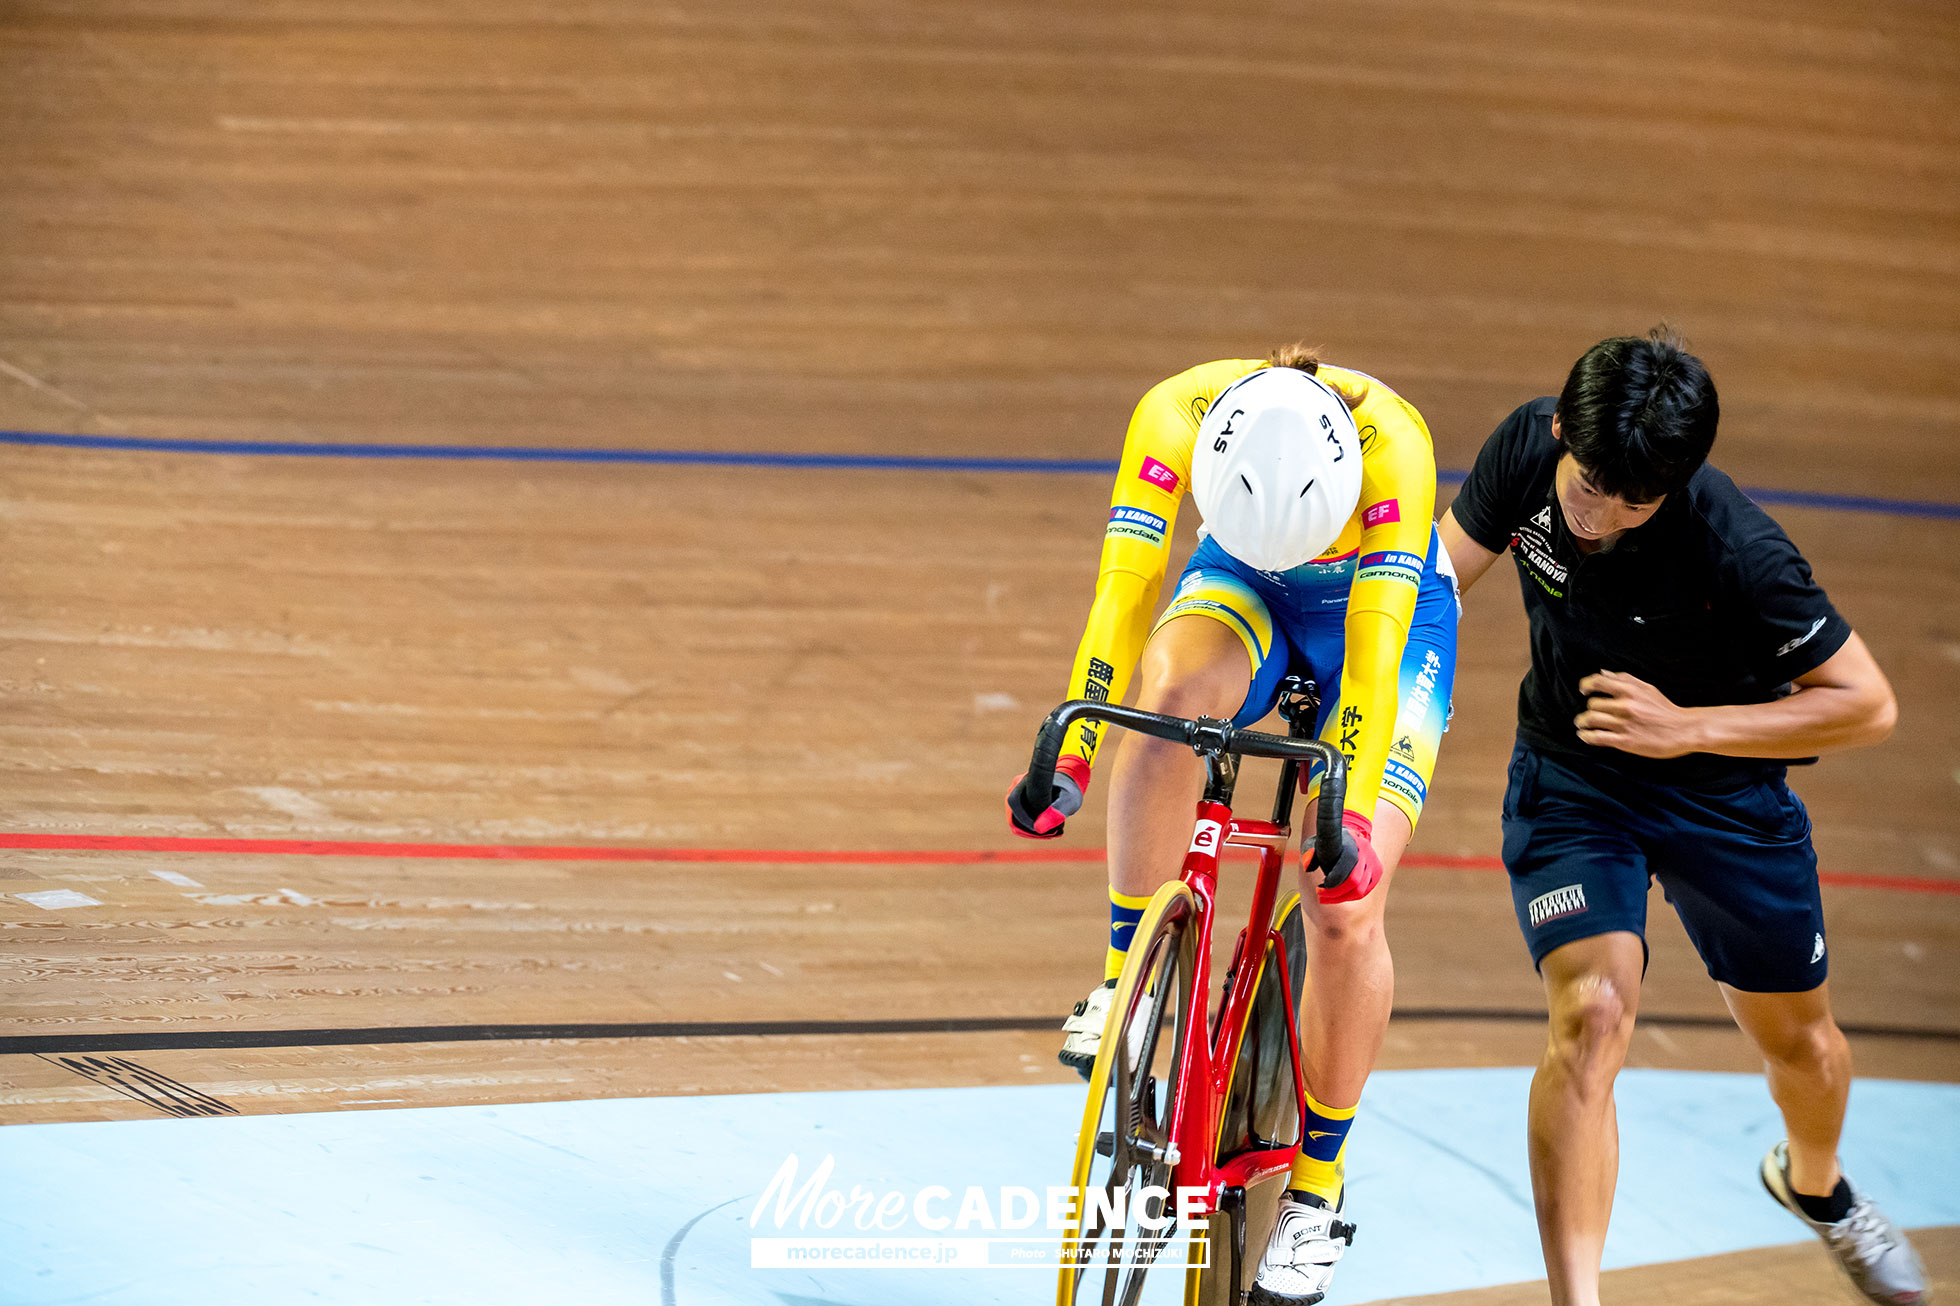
1367,872
1047,823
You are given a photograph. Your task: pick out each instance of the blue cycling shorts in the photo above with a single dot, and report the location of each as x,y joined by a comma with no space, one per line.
1294,623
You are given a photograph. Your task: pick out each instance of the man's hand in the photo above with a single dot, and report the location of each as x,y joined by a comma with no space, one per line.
1065,800
1627,713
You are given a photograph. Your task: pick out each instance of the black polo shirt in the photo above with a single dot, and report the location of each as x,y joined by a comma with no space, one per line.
1707,600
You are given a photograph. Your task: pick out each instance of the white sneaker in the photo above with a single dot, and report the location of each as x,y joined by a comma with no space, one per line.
1881,1263
1084,1029
1306,1245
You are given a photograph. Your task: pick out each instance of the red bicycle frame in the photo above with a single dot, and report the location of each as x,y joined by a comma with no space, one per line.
1205,1077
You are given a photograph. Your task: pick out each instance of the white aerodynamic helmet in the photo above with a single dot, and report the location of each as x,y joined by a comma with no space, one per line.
1277,471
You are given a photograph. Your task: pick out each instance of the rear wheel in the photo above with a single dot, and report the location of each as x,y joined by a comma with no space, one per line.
1124,1214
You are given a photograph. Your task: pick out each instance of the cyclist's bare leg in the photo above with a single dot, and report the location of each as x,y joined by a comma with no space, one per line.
1344,1014
1192,666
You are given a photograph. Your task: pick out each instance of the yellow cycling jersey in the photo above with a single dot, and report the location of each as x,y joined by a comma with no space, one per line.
1373,570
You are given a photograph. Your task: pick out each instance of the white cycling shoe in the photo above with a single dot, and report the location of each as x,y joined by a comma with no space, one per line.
1307,1243
1084,1030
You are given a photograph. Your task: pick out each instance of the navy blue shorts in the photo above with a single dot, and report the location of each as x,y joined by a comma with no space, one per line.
1581,841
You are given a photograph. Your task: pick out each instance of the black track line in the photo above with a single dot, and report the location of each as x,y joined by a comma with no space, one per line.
191,1039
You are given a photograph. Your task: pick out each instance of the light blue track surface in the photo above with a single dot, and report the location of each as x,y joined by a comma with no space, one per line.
582,1202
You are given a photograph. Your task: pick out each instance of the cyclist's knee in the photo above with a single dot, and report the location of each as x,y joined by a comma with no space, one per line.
1198,672
1350,927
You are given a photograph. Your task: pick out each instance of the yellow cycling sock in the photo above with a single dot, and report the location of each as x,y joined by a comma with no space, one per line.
1124,913
1322,1164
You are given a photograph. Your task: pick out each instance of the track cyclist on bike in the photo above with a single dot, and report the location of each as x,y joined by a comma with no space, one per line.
1316,488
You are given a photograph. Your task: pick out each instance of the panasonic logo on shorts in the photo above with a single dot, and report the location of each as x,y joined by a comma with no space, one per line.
1569,901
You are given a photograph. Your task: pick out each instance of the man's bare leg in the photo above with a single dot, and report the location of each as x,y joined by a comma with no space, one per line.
1809,1068
1592,987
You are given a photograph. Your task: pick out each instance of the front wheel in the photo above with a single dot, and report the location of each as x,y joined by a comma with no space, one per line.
1261,1116
1123,1215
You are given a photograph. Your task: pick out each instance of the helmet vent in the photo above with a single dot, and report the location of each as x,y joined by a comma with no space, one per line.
1247,484
1304,488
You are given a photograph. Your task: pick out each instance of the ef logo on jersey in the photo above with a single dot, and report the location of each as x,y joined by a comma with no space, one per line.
1158,475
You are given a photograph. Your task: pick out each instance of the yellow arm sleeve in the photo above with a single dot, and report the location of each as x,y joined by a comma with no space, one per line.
1150,484
1398,504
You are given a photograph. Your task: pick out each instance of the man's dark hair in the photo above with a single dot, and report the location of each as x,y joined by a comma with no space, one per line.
1639,414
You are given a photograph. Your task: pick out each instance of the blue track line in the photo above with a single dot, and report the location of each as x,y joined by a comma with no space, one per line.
1858,503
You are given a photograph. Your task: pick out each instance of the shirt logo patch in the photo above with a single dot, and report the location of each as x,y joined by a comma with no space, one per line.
1387,510
1158,475
1817,951
1801,640
1135,524
1392,565
1405,780
1533,545
1559,903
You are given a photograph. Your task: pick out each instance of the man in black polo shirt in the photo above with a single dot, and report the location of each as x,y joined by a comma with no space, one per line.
1681,656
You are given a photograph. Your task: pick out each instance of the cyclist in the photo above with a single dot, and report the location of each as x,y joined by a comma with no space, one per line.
1318,556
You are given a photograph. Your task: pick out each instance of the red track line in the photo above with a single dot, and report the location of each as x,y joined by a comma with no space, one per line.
140,843
541,852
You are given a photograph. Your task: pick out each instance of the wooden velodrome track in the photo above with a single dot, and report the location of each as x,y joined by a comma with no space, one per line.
904,228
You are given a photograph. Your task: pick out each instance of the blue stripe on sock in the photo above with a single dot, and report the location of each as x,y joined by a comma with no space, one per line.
1123,925
1322,1138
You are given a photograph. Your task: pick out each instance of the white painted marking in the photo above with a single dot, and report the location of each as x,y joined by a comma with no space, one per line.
56,899
177,878
601,681
1663,1038
290,801
995,703
34,382
298,899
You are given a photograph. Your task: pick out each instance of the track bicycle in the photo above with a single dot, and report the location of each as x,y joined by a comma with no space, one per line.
1217,1116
